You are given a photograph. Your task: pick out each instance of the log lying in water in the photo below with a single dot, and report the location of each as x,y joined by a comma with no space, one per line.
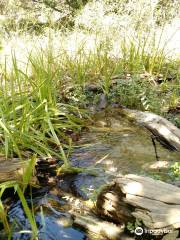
167,134
13,169
130,197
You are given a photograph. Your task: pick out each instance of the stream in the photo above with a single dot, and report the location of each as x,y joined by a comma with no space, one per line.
110,147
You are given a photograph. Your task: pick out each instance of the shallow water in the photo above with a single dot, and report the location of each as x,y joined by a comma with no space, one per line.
111,147
53,223
114,146
129,146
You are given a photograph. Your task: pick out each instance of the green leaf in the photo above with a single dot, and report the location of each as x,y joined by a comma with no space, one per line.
28,172
28,213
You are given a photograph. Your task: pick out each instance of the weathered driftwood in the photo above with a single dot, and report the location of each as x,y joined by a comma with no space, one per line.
167,134
13,169
130,197
84,216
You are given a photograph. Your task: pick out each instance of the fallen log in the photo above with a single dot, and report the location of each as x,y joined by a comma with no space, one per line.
13,169
154,203
164,131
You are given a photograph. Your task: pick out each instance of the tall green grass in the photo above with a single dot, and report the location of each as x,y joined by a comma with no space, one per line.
31,118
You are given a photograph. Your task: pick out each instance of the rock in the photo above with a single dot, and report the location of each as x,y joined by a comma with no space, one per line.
93,88
65,221
102,102
176,183
157,165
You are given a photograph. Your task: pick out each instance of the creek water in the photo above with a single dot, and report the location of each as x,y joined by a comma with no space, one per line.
115,146
112,146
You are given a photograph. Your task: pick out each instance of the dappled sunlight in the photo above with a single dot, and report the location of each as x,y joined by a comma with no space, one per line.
157,165
165,131
78,41
94,17
102,159
99,227
144,198
173,215
102,227
134,188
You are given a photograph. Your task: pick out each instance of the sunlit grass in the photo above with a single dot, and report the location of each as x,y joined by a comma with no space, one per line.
32,119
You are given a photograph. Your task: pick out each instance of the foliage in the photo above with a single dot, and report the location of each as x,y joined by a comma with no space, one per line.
175,171
127,15
141,76
136,93
36,16
166,10
131,226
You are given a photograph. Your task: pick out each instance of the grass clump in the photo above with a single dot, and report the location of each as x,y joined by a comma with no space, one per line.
34,120
31,118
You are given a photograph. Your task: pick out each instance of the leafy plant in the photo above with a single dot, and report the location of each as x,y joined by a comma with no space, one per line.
175,171
131,226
